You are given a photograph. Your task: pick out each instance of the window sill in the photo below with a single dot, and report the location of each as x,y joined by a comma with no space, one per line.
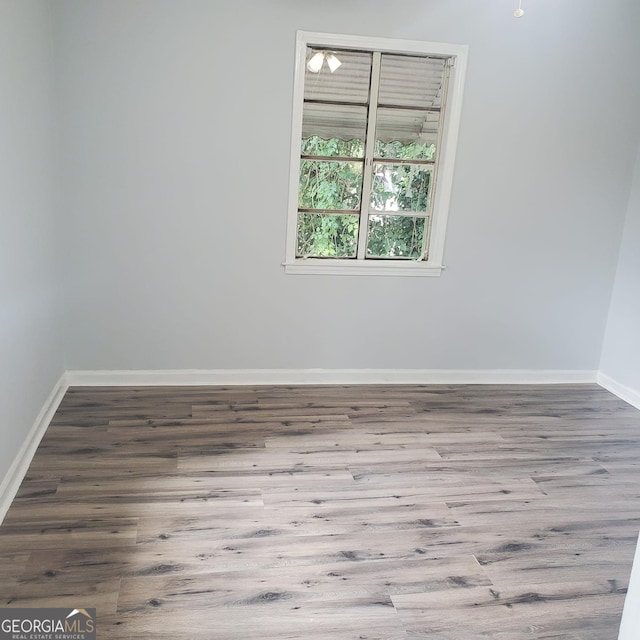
311,266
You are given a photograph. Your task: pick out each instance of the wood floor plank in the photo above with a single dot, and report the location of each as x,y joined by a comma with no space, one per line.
269,617
302,583
18,536
536,610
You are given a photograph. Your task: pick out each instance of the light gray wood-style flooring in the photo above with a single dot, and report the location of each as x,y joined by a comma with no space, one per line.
347,513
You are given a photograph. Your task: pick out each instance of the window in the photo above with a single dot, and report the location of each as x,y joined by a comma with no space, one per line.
374,135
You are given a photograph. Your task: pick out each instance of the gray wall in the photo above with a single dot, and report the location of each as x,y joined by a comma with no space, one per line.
621,351
30,340
174,156
621,357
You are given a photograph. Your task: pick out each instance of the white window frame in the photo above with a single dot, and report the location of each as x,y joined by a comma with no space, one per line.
444,167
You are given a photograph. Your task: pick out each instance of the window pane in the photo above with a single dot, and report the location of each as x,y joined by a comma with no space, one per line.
410,81
406,134
348,83
317,146
333,130
327,236
400,187
396,236
329,185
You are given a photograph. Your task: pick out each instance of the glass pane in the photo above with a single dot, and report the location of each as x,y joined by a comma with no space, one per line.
400,187
329,185
411,81
406,134
327,236
333,130
396,236
348,83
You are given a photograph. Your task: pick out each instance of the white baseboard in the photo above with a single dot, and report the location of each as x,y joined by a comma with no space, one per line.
194,377
20,465
632,396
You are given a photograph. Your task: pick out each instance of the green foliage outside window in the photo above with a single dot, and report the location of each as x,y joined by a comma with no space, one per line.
402,151
396,236
337,185
327,236
317,146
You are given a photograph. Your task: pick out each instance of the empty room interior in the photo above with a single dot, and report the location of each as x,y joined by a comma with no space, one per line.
320,319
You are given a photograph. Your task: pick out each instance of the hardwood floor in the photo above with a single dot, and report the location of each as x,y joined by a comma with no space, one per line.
350,513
